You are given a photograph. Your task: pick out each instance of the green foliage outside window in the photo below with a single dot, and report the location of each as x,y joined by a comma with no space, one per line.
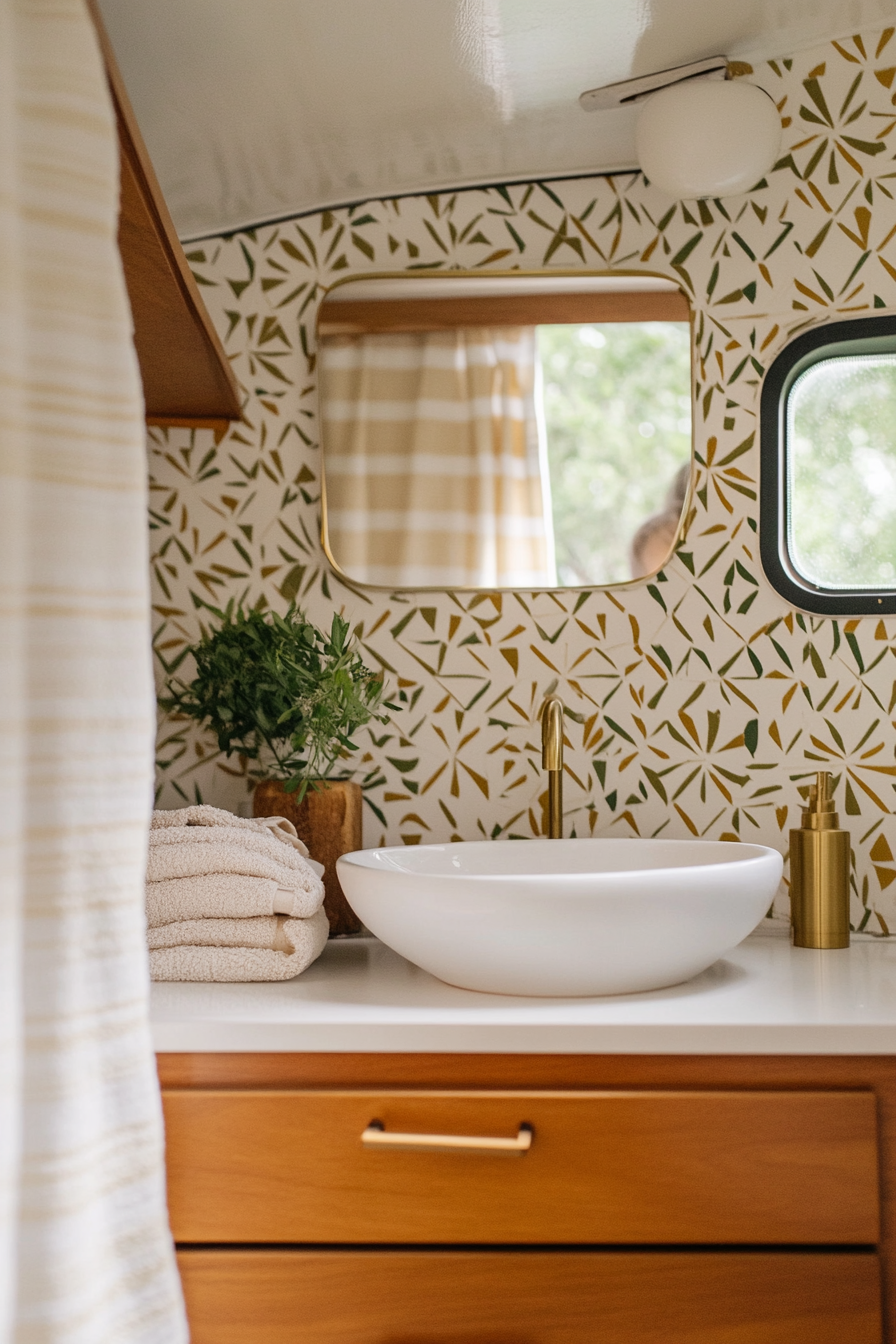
842,472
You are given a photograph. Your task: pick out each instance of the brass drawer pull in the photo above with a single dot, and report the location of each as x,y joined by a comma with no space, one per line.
376,1136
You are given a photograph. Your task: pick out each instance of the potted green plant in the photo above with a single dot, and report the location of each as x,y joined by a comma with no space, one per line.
286,697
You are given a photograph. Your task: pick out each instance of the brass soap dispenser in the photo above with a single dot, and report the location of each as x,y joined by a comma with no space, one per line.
819,873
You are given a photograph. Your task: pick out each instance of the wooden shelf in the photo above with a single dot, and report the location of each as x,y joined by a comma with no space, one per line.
187,379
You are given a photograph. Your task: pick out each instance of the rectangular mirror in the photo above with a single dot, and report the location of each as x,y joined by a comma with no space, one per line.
504,431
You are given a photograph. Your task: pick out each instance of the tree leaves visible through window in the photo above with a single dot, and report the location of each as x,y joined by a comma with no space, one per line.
842,472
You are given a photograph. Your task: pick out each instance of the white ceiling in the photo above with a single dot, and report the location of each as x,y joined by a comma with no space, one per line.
255,109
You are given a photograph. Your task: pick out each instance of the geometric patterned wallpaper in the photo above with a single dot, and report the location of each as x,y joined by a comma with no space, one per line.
702,701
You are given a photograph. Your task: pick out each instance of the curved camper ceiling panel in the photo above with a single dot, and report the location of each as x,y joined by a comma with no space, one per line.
254,111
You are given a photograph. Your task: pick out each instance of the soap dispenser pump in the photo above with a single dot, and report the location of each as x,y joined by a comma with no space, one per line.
819,873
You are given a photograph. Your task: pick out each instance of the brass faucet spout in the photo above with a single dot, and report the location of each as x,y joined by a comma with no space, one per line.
552,762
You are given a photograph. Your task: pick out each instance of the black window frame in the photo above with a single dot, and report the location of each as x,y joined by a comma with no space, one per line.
859,336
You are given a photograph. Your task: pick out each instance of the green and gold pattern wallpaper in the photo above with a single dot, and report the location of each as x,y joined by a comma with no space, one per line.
702,702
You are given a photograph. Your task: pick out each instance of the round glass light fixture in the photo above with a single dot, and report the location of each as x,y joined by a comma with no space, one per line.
707,137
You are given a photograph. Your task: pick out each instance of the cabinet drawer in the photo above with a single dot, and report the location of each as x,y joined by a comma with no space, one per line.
518,1297
603,1167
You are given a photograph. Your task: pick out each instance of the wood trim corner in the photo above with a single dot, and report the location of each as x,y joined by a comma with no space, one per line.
371,316
187,378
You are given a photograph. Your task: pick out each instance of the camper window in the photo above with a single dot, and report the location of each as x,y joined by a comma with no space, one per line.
828,487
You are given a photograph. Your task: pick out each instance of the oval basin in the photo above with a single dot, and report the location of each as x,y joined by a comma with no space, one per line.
562,917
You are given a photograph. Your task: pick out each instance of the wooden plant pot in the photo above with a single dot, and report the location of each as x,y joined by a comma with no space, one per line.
328,820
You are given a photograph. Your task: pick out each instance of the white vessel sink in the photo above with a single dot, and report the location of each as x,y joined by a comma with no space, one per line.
562,917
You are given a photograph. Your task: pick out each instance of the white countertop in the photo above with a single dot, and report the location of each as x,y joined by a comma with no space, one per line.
765,997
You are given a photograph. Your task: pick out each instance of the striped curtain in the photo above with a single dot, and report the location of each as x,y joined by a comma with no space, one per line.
85,1251
434,460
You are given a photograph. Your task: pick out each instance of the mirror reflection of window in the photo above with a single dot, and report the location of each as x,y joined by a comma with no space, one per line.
617,400
468,443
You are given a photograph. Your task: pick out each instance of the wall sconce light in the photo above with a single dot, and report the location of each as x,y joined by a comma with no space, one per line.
698,133
708,138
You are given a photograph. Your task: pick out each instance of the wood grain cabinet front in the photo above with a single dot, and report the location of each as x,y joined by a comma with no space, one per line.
604,1168
536,1297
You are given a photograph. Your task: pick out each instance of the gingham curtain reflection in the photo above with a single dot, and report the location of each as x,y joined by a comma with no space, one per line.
85,1252
433,458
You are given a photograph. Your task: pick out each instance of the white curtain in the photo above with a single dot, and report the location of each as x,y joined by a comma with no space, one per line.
85,1252
434,458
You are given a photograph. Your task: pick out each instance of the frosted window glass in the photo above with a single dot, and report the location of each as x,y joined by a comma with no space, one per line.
841,469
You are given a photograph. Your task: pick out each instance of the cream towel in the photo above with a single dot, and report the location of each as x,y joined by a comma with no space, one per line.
273,932
205,815
226,896
216,960
184,851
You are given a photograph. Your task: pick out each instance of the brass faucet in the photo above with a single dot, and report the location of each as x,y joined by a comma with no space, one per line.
552,761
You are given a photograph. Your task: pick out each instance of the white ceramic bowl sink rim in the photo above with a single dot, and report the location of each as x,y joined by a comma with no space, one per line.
563,918
422,860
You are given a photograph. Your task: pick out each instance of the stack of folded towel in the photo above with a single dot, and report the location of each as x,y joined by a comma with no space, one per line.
230,899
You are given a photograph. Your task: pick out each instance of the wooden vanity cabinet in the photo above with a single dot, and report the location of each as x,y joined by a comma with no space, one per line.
702,1200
